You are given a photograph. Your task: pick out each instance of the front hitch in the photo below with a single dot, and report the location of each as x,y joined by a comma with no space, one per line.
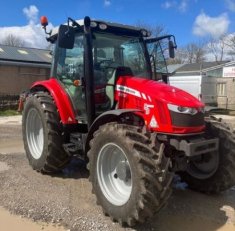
195,146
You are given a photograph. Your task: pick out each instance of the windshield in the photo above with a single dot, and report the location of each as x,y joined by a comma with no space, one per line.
114,51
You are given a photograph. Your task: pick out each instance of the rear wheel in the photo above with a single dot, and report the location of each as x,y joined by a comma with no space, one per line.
129,173
42,134
214,172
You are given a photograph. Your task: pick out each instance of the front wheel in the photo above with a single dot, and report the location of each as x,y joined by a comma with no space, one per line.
42,134
214,172
129,174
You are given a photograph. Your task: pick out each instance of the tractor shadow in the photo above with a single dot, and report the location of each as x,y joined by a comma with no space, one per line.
189,210
186,209
76,169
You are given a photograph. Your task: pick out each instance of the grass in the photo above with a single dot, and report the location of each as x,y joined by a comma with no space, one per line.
9,113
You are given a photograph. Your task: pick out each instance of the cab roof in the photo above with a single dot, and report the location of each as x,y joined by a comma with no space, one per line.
95,23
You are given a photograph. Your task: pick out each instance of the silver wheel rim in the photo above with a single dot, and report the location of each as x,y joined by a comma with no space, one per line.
114,174
204,169
34,133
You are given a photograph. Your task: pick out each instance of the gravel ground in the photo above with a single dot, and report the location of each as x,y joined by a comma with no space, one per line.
66,198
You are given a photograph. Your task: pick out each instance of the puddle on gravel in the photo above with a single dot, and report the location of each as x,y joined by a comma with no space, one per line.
8,146
9,222
4,166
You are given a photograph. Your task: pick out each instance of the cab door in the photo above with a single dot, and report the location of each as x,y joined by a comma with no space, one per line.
68,68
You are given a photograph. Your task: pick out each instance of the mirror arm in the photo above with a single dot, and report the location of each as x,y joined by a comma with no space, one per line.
74,23
46,32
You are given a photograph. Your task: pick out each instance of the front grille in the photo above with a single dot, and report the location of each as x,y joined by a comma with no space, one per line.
187,120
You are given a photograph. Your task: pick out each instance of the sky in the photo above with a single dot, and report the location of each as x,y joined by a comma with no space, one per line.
189,20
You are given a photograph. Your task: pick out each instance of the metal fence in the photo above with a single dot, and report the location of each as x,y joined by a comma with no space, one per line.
8,102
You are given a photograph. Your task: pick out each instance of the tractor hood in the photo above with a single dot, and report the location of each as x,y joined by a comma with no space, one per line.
154,90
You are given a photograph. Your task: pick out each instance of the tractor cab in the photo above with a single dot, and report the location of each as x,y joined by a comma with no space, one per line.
107,51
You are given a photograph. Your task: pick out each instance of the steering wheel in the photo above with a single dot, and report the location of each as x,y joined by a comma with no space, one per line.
105,63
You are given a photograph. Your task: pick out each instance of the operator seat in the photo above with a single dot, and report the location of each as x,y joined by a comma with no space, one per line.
110,87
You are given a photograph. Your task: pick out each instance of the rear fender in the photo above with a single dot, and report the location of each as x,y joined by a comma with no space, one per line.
60,97
107,117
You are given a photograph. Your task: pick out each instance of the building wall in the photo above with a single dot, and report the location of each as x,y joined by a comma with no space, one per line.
226,92
15,79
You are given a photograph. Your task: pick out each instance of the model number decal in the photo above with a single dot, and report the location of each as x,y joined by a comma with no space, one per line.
147,108
132,91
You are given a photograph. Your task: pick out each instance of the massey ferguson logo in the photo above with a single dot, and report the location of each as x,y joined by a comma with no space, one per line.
128,90
131,91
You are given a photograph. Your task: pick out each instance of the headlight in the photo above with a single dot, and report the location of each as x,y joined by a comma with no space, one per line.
185,110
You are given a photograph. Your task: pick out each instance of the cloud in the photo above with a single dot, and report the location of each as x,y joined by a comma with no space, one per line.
168,4
230,4
181,5
31,13
31,34
107,3
205,25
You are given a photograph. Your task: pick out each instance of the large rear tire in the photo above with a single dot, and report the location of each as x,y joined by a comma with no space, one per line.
215,172
42,134
129,173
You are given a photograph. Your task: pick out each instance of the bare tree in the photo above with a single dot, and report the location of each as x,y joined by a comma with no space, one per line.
179,57
12,40
231,42
155,30
230,45
217,47
193,53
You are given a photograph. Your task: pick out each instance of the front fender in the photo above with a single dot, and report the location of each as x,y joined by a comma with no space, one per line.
60,97
107,117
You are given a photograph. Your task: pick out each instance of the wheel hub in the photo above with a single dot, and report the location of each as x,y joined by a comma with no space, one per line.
123,171
34,133
114,174
204,167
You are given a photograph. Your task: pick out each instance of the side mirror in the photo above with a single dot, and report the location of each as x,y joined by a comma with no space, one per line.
171,47
66,37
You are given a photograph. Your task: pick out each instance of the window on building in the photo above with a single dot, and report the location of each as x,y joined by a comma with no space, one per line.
221,89
215,73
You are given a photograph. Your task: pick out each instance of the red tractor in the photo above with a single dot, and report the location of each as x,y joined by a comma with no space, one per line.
103,104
